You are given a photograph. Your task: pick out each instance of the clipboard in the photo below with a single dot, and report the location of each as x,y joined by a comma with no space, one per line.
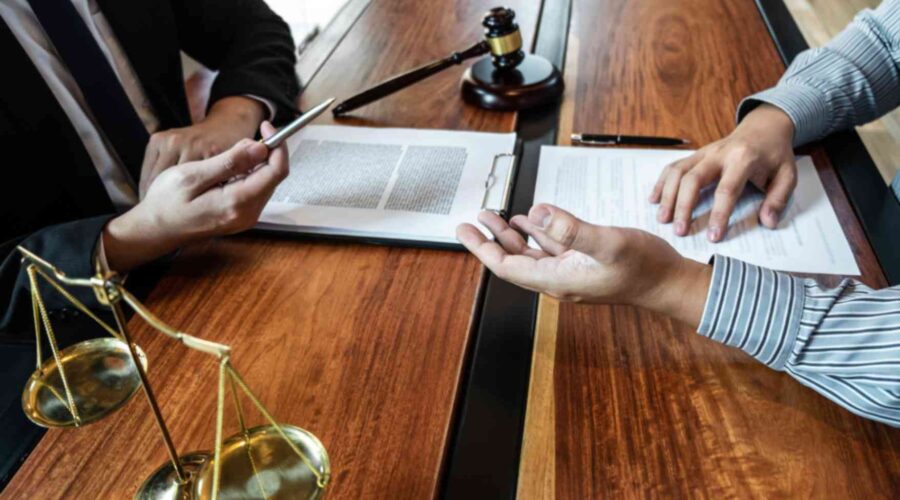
499,183
411,207
498,190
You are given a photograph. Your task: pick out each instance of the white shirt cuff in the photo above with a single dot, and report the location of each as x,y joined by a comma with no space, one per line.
268,104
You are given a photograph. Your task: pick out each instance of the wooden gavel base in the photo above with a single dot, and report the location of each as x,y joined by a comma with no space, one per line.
534,82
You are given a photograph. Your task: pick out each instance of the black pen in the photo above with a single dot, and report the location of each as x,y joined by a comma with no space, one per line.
631,140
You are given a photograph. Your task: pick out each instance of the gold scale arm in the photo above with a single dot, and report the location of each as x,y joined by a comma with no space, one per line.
109,291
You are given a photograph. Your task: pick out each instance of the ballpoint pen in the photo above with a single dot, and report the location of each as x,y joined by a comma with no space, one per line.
275,140
633,140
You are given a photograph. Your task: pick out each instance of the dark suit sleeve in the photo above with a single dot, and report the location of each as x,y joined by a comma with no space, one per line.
70,247
248,44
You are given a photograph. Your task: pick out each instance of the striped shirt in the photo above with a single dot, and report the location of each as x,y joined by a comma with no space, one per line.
852,80
842,342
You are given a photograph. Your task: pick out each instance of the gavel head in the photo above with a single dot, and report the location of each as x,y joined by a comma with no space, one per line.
511,79
503,37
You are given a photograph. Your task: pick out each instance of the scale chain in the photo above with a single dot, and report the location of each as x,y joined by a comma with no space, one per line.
32,278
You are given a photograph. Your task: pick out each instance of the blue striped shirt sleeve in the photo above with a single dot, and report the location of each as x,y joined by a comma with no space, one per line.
852,80
842,342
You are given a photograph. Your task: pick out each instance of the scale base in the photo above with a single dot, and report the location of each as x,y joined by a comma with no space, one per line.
163,484
534,82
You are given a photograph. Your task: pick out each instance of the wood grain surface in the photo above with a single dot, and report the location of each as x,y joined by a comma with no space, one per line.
317,52
362,345
643,406
537,467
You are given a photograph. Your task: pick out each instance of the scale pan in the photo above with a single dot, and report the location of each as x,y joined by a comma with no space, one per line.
100,374
275,472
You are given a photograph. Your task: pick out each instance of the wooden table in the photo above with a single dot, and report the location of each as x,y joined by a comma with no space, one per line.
624,402
362,345
367,346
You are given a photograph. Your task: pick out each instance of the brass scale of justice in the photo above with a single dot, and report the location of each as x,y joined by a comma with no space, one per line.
90,380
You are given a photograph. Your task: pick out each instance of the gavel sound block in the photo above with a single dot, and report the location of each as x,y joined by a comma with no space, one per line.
508,80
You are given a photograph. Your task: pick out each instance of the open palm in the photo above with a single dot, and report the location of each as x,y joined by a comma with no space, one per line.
576,261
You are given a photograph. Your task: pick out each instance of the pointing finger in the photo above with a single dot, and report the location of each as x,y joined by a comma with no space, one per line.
726,196
278,156
517,269
681,165
689,192
778,194
667,199
509,238
205,174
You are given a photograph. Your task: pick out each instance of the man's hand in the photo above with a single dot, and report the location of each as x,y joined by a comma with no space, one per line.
229,120
582,262
759,150
221,195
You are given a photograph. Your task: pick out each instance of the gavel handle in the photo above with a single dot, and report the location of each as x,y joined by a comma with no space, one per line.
399,82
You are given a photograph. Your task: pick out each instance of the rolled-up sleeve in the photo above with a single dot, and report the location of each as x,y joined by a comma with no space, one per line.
852,80
842,342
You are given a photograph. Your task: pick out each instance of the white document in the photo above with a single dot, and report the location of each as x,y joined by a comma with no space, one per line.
384,183
612,186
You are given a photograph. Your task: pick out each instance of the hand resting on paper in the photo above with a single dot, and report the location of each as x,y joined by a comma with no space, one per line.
582,262
759,150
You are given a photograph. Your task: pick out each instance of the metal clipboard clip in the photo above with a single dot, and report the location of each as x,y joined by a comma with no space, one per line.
507,184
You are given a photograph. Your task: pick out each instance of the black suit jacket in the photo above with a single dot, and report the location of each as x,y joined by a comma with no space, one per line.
51,198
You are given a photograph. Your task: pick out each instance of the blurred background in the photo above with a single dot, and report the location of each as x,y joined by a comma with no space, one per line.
306,17
308,20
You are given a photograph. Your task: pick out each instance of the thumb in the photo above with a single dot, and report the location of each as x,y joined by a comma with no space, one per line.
557,231
241,158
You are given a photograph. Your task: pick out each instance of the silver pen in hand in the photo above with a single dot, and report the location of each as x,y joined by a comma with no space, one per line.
275,140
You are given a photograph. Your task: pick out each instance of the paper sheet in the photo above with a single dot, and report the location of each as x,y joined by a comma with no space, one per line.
611,187
409,184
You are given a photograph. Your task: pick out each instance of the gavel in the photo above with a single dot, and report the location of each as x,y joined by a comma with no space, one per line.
509,80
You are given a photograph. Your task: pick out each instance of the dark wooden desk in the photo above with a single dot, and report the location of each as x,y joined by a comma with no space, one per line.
362,345
627,403
366,346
